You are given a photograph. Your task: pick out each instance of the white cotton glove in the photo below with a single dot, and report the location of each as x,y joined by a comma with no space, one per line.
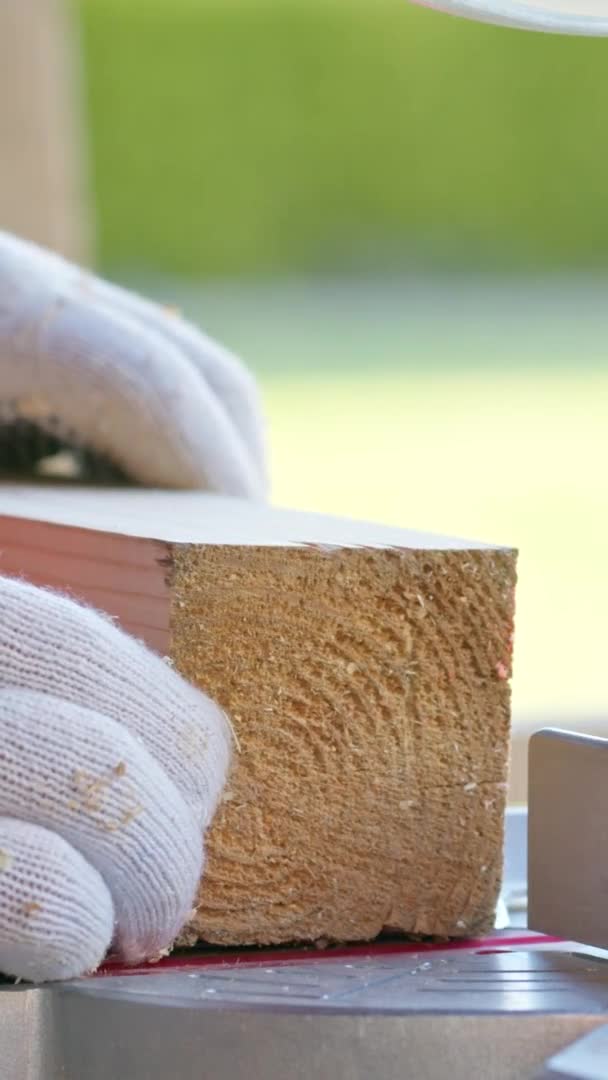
123,378
111,766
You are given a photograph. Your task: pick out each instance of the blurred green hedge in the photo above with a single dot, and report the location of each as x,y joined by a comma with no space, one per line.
240,137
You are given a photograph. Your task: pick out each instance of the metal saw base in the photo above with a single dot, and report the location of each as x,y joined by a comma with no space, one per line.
493,1010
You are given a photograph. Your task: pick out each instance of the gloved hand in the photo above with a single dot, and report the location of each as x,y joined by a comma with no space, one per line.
98,368
111,765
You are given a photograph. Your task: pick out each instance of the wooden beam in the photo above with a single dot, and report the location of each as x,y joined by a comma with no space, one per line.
366,673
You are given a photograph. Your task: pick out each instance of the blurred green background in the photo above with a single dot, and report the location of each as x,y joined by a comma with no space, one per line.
240,137
400,220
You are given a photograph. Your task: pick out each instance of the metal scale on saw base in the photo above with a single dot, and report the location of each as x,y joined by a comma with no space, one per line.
518,1005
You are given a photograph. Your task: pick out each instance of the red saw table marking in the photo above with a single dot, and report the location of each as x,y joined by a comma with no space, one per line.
189,960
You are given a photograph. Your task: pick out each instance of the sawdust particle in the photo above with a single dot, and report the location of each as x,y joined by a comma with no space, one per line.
124,820
31,907
233,732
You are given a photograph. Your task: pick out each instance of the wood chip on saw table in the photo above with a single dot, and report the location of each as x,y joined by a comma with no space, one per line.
366,674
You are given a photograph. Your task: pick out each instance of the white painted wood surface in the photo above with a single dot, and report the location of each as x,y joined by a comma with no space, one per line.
199,518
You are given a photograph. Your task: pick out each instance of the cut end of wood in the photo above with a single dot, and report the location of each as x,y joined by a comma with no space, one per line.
365,672
370,789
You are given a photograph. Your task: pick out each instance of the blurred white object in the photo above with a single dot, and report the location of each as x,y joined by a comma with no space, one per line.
588,17
515,879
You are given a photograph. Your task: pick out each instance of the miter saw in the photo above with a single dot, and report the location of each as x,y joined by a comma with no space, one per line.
522,1003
